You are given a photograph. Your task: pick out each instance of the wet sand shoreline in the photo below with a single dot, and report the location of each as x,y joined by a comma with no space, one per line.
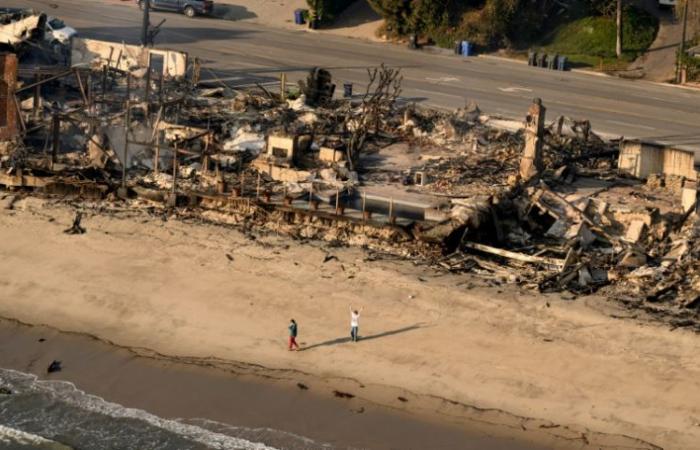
174,389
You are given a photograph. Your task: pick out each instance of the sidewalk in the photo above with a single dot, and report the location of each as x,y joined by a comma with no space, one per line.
358,21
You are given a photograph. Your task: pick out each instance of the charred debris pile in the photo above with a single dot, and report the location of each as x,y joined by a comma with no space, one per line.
549,206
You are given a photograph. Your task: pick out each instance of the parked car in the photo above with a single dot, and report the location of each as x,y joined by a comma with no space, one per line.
190,8
58,34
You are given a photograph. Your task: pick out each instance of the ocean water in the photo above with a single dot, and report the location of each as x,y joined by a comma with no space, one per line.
55,415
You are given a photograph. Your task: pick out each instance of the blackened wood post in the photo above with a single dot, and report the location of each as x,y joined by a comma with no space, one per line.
147,93
128,88
257,188
81,86
127,120
337,200
88,89
37,96
56,142
175,170
104,82
127,125
160,89
156,157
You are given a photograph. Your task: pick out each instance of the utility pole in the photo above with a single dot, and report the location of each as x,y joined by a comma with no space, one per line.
618,46
681,52
146,22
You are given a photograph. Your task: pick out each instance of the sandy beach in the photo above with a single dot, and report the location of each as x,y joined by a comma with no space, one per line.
547,371
232,395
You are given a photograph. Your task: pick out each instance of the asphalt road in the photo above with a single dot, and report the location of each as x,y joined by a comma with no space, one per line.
242,53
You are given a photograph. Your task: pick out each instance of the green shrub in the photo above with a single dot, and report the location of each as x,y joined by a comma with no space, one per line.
487,23
328,10
580,28
595,36
692,65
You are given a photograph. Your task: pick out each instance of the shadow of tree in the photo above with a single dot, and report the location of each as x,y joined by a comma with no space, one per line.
168,36
365,338
232,12
359,13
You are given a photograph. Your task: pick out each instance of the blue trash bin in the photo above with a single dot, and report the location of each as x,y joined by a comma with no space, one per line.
466,48
347,90
561,63
299,16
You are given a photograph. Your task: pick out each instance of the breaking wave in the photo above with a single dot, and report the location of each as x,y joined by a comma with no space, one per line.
19,440
49,414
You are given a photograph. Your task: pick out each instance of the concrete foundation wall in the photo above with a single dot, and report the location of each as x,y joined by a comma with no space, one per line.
641,160
125,57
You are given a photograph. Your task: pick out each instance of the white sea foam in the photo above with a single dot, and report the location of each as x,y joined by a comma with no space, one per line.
66,392
11,437
291,441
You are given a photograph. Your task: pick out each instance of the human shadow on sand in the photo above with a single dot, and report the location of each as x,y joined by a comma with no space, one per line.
364,338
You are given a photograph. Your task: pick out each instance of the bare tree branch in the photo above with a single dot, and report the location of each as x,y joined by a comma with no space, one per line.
377,103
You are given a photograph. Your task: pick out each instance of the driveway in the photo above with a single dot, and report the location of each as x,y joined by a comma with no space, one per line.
659,63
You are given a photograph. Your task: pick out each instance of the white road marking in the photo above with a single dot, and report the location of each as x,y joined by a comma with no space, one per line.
441,79
633,125
515,89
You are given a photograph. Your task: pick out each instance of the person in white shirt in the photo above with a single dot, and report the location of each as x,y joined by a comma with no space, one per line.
355,323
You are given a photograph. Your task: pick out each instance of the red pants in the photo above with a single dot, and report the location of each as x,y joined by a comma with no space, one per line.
293,342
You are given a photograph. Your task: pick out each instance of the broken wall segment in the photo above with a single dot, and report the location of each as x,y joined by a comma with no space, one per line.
98,54
331,155
642,159
282,149
689,195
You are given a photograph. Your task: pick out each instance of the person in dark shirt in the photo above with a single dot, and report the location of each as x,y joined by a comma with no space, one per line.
293,335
